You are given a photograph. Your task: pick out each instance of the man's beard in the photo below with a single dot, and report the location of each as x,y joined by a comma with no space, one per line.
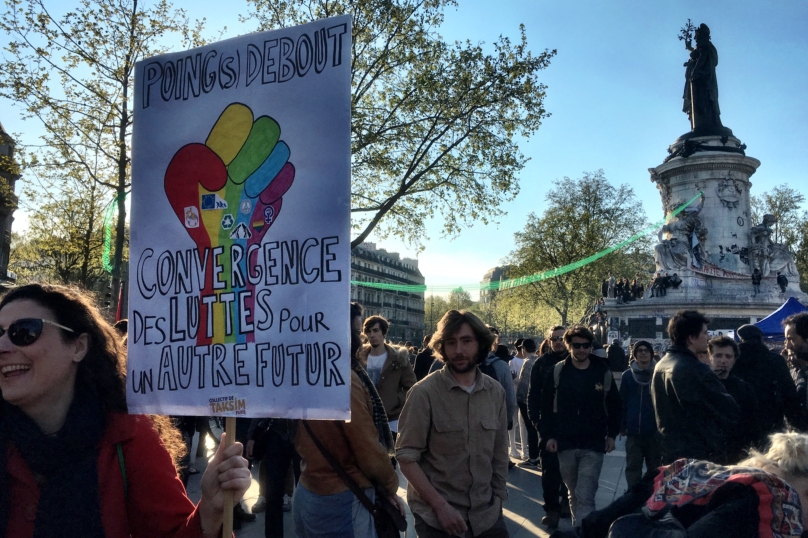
471,364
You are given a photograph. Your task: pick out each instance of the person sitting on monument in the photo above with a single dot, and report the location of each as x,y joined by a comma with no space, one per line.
675,281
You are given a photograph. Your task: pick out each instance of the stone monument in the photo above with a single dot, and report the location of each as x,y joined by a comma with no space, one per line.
713,245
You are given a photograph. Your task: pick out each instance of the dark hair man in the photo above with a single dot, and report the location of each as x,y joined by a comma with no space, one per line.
424,359
580,417
527,431
723,354
453,442
388,367
768,374
616,355
796,335
693,410
638,421
551,483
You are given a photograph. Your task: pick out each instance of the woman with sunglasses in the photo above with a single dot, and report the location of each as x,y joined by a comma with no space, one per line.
72,462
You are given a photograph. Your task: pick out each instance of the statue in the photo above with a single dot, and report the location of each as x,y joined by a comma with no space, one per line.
701,86
766,255
686,237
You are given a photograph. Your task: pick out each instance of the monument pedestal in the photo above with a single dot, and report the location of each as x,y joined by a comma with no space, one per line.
713,245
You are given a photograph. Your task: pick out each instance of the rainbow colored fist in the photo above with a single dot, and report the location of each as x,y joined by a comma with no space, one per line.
228,191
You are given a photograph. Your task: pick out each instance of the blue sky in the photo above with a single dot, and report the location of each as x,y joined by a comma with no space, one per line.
614,92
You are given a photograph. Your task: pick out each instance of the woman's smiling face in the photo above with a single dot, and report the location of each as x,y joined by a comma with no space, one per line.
41,375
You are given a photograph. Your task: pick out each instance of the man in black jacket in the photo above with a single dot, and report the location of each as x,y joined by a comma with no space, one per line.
551,483
769,376
424,360
693,410
580,418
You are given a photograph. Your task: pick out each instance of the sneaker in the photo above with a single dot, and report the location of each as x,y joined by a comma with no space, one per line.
260,505
530,464
550,519
287,503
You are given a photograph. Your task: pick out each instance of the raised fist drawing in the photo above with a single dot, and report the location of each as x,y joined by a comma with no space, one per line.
228,191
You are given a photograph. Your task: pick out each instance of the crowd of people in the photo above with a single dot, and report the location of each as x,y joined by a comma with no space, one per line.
625,292
716,425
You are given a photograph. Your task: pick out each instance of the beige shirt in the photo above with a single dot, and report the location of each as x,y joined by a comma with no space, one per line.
460,440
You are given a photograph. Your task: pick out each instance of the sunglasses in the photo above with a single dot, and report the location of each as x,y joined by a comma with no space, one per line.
556,338
577,345
26,331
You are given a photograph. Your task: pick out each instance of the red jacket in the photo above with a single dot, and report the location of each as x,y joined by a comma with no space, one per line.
157,505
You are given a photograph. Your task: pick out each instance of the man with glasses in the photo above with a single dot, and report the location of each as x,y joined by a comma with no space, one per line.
551,483
639,422
580,418
693,410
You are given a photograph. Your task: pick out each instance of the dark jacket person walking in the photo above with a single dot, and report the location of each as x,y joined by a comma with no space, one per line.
693,410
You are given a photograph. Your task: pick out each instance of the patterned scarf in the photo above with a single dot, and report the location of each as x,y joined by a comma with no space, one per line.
379,415
69,505
695,481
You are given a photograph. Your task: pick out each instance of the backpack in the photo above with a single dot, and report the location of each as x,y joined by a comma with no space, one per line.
607,384
488,369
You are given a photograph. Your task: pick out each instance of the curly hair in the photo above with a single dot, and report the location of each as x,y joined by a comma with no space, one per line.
103,367
580,331
448,326
787,452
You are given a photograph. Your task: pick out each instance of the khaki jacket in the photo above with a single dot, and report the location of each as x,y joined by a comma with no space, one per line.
396,379
460,441
355,445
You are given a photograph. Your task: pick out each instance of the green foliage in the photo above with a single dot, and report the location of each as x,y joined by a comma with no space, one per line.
74,74
784,203
435,307
582,217
433,123
64,236
791,228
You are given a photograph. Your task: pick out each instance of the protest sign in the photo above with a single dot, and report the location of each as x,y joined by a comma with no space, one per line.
240,227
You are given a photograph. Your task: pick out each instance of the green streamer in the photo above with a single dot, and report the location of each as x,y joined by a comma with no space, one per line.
536,277
109,214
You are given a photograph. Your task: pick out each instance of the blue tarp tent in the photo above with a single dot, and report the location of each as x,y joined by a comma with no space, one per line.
772,325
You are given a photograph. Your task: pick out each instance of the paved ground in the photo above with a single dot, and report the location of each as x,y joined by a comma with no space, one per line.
523,511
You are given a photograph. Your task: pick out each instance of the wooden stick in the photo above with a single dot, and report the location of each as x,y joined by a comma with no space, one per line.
227,519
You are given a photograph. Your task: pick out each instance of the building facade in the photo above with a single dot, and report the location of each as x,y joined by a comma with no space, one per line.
9,175
497,274
403,309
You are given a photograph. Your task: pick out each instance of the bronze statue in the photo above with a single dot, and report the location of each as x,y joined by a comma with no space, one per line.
701,86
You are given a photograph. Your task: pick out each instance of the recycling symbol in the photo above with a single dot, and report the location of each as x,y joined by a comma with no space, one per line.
227,221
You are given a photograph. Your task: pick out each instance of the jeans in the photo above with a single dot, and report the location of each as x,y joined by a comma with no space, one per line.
580,470
551,484
532,435
422,530
341,515
641,448
279,453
